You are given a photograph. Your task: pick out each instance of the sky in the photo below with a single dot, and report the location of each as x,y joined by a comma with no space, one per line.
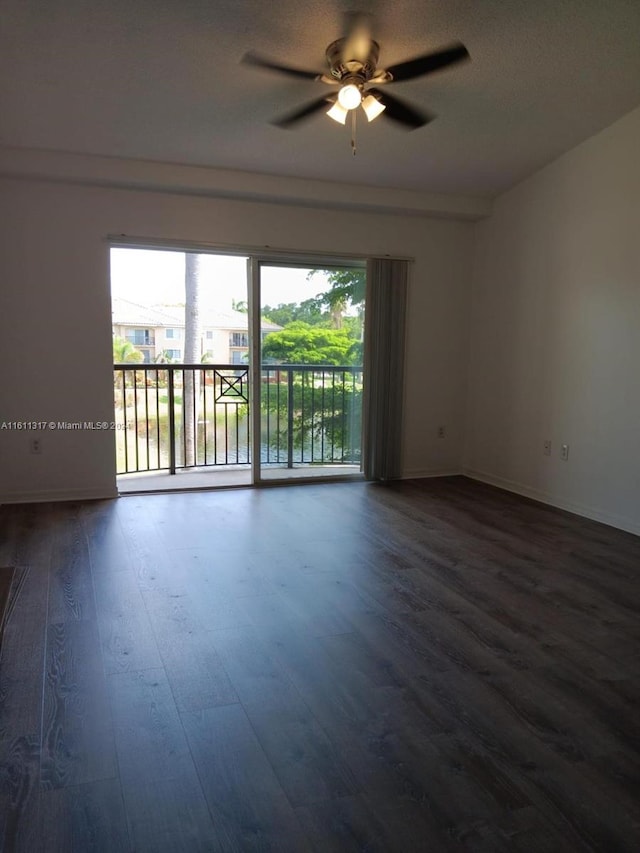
155,277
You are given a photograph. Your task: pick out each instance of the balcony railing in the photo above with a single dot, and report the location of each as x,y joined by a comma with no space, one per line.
141,340
174,416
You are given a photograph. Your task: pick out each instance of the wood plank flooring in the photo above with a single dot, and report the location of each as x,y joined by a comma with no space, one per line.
429,666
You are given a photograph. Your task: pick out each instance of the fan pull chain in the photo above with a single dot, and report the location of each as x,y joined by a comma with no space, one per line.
353,132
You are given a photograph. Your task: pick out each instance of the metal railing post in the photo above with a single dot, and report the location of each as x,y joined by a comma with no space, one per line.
290,418
172,424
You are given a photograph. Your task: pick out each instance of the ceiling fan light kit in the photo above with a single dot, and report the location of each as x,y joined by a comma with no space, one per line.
372,107
353,67
338,113
350,95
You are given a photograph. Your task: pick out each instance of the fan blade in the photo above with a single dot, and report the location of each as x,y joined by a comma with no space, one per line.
357,43
429,63
400,111
303,112
258,61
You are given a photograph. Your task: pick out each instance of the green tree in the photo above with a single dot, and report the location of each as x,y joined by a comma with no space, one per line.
124,352
300,343
310,311
347,290
326,417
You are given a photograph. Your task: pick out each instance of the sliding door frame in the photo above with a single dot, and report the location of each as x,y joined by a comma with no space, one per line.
255,365
254,267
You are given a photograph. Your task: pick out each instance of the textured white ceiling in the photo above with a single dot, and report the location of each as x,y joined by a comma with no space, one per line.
160,80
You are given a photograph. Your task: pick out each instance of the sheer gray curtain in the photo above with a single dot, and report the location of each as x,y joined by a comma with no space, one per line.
384,341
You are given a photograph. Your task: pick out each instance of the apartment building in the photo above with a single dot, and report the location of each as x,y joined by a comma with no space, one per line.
158,332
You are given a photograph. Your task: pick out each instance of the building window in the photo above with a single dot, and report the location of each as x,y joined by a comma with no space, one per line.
209,335
174,354
238,357
173,333
238,339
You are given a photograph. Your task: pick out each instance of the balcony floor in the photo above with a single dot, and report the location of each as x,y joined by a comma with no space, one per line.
224,477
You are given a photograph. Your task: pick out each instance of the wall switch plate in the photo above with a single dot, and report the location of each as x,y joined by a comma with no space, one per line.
546,448
564,452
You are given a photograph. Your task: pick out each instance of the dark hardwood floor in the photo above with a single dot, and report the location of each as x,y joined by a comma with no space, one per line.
430,666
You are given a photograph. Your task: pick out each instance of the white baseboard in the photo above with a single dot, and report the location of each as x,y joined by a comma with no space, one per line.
621,522
55,495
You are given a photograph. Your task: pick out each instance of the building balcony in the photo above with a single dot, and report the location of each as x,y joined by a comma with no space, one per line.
141,340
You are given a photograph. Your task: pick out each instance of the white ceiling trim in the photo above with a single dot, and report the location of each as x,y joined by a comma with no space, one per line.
225,183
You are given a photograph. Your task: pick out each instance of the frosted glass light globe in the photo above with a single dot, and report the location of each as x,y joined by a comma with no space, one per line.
349,97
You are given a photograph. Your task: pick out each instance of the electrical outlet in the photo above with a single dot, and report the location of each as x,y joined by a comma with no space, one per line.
35,445
441,432
564,452
546,447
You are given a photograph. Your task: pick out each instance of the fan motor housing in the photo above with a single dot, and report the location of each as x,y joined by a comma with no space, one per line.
341,67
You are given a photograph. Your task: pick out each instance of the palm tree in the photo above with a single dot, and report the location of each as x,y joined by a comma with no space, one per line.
347,288
124,352
193,273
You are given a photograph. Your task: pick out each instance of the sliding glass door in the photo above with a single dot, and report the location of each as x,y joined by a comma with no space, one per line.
308,337
232,370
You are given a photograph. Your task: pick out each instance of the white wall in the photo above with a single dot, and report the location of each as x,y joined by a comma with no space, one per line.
55,314
555,333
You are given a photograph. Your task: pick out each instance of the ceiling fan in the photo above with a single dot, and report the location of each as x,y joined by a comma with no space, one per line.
353,68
